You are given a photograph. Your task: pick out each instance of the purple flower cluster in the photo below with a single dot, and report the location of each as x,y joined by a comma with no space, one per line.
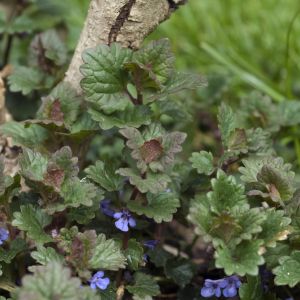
124,218
151,244
97,281
228,286
105,208
4,234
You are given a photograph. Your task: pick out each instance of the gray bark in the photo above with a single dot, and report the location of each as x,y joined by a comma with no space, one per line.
125,21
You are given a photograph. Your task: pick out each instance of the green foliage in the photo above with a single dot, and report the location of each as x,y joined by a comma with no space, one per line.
227,123
46,255
25,136
61,105
160,207
25,79
243,259
33,165
107,255
51,281
108,89
123,140
105,176
134,254
203,162
252,289
153,149
154,182
181,271
144,285
16,247
130,116
269,178
149,71
33,220
287,273
53,47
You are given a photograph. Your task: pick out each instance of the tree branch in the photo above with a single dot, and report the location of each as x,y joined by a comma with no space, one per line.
125,21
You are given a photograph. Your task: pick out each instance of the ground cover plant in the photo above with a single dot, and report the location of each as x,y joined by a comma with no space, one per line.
144,181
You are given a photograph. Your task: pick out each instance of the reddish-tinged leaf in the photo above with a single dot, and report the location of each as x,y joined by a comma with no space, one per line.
151,150
54,177
56,113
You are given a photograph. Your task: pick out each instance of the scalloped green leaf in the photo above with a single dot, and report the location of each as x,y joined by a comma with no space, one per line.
154,182
131,116
53,282
253,165
33,220
227,122
241,260
61,105
226,193
30,136
16,246
25,79
144,285
134,254
153,148
104,81
177,82
33,165
75,192
159,207
288,271
105,175
44,255
203,162
226,228
275,227
107,255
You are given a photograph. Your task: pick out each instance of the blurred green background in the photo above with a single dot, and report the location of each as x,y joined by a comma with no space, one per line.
255,42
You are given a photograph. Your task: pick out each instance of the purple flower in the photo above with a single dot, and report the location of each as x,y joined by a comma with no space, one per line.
105,208
124,219
233,283
97,281
213,288
145,257
151,244
4,234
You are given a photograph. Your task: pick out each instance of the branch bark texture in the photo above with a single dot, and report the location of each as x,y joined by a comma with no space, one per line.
125,21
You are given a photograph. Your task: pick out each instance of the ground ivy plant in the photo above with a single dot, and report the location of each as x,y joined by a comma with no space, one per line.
126,221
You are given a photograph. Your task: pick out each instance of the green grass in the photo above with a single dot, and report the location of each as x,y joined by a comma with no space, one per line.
256,41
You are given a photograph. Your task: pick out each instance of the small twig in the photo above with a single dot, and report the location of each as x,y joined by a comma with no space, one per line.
120,292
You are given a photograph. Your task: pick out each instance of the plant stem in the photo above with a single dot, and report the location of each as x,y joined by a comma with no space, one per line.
7,49
124,247
132,99
125,240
